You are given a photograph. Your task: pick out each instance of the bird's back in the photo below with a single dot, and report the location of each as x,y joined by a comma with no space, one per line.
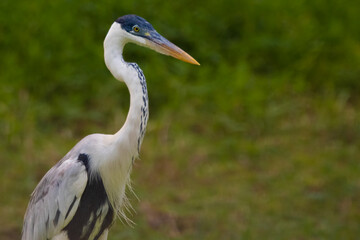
69,202
94,214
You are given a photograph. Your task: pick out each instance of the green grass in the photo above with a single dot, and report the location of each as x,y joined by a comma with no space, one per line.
296,179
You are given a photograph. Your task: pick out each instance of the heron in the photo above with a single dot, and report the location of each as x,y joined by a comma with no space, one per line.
82,195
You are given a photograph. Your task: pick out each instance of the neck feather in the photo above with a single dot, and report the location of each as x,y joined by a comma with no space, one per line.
124,146
129,138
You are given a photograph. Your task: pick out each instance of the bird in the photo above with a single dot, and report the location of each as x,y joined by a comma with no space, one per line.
83,194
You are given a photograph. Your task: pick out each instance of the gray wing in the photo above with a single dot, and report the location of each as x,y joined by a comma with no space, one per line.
55,200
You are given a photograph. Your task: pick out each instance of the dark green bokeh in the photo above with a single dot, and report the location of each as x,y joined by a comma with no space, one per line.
259,142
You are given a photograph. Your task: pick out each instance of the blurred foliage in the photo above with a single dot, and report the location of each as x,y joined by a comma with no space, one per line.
259,142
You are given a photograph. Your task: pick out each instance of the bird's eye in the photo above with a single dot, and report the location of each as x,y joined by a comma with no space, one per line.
136,28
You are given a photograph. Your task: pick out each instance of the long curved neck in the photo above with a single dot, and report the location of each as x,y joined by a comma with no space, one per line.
130,136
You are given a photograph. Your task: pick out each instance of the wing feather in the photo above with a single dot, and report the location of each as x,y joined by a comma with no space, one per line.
55,200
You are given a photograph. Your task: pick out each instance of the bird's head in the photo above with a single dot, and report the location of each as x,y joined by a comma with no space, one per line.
141,32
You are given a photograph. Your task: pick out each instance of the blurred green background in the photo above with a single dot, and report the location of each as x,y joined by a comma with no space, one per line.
259,142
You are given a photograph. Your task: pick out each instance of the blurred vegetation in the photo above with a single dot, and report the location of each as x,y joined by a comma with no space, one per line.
259,142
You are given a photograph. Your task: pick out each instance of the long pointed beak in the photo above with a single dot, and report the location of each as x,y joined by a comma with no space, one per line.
164,46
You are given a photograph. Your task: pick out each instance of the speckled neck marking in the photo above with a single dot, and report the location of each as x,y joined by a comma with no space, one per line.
144,107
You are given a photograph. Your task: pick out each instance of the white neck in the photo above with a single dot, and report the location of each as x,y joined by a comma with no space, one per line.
125,144
129,137
115,154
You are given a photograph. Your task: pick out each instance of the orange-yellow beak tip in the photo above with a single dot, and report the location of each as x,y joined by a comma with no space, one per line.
180,54
162,45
